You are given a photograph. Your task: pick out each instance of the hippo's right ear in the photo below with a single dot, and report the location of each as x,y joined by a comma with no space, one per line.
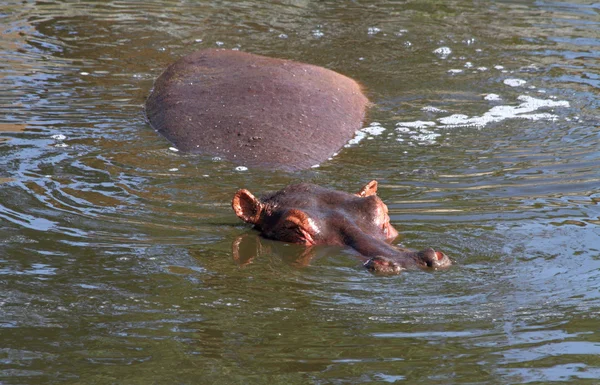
247,207
368,190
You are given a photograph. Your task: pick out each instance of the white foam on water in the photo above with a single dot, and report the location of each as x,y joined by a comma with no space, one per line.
358,137
454,71
492,97
514,82
374,129
419,124
317,33
241,168
174,149
442,52
499,113
427,132
425,137
58,137
432,109
373,30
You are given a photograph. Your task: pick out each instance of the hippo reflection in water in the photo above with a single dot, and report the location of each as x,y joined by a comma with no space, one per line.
312,215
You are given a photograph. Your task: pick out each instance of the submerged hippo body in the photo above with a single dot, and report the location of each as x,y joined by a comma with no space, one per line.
311,215
254,110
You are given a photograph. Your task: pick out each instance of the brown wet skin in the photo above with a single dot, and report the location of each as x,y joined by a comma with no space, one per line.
254,110
312,215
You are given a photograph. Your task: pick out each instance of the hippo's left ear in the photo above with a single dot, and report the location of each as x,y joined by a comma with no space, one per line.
368,190
246,206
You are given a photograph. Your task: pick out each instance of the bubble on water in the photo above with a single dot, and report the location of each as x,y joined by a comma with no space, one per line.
432,109
468,65
83,73
499,67
198,40
173,169
454,71
173,149
373,30
482,68
241,168
219,43
442,52
317,33
514,82
401,32
374,129
492,97
283,36
500,113
530,68
422,131
426,137
358,137
216,159
315,166
58,137
419,124
407,43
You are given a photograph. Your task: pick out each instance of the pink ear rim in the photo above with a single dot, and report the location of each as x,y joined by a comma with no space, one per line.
246,206
368,189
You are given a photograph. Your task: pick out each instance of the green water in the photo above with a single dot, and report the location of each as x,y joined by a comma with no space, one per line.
117,255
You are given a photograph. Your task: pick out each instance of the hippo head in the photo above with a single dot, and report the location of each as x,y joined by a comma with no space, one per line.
312,215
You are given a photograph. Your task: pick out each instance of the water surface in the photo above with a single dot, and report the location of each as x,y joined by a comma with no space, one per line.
116,253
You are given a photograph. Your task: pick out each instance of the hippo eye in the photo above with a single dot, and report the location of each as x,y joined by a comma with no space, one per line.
291,226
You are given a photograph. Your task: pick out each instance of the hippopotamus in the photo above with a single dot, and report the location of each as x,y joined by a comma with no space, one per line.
254,110
311,215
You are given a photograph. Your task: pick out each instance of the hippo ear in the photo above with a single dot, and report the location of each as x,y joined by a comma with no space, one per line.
247,207
369,189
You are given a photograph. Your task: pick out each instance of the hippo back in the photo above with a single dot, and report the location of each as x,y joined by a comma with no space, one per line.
254,110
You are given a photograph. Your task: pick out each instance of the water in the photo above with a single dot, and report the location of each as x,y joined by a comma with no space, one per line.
118,259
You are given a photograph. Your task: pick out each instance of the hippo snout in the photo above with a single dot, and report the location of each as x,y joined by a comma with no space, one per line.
383,265
433,259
